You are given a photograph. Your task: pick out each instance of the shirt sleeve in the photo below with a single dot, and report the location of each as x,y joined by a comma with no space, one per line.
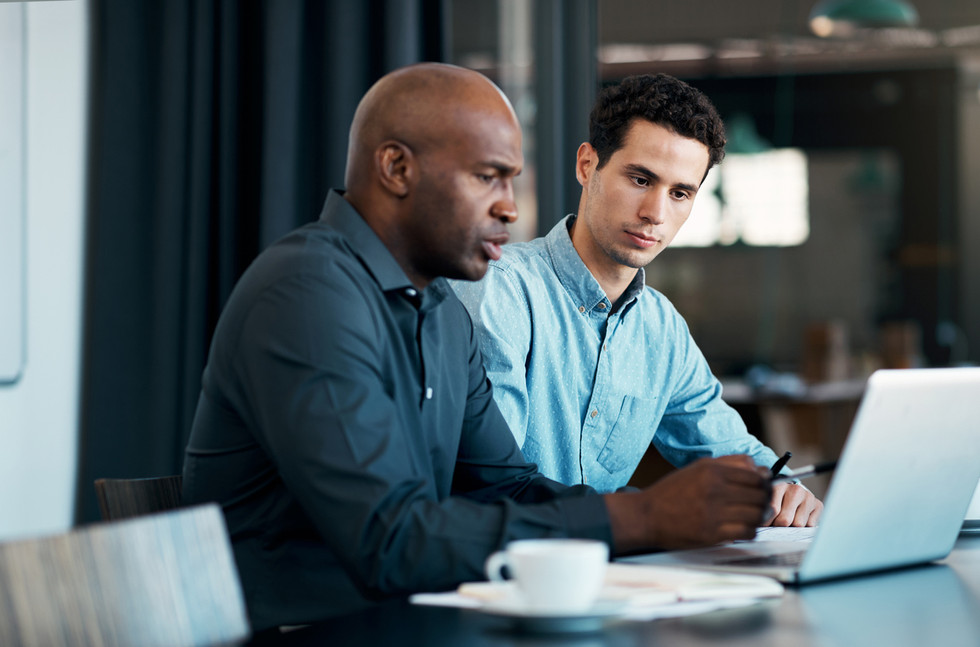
504,353
697,423
312,355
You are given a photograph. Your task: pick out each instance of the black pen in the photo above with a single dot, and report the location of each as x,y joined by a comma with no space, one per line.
804,472
781,463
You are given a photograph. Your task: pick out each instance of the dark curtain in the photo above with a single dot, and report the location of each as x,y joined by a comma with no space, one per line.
214,128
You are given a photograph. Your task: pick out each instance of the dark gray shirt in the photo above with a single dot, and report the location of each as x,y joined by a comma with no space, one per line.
347,427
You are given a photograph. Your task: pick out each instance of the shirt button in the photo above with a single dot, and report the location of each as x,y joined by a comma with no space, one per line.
428,393
594,413
603,346
581,308
411,292
602,305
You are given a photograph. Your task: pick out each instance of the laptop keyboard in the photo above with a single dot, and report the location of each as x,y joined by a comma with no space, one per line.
779,559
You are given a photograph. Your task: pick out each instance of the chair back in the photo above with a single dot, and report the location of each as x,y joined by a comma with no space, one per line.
125,498
163,579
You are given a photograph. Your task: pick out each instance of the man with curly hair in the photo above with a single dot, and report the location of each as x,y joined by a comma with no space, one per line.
589,365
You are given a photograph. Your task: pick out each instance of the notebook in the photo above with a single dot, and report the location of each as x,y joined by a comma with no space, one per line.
899,495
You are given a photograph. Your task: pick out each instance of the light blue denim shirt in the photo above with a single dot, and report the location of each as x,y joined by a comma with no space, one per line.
585,389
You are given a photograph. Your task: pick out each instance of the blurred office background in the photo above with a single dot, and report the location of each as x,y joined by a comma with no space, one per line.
149,150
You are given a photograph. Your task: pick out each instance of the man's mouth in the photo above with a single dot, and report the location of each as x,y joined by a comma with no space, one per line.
492,245
641,239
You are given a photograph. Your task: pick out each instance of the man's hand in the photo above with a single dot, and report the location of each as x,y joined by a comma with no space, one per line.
793,505
708,502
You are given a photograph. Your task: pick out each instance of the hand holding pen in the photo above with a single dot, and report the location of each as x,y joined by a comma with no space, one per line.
794,506
781,463
801,473
804,472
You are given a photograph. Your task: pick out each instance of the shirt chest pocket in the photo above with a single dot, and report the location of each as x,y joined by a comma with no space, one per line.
631,433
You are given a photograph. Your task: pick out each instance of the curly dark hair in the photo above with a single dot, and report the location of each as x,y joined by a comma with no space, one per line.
660,99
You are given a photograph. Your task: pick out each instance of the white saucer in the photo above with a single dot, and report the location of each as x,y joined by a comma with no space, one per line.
591,619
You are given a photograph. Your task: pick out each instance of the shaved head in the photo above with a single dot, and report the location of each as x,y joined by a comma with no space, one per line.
422,106
431,159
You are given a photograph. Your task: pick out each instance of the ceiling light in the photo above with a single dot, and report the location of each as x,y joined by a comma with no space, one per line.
845,17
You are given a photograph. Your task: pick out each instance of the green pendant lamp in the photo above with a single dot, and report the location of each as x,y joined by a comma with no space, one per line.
844,17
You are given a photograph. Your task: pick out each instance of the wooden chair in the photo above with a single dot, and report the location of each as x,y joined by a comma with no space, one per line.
125,498
163,579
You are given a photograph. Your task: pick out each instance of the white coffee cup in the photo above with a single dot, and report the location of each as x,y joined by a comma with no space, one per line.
553,575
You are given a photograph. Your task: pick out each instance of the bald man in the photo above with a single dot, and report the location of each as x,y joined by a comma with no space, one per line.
346,424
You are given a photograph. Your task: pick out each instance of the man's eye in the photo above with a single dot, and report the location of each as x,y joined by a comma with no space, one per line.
640,181
681,195
486,179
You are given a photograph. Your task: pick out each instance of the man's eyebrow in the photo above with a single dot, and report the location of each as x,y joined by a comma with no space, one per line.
503,168
639,169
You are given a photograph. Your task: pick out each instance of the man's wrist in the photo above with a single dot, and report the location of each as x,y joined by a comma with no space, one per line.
630,521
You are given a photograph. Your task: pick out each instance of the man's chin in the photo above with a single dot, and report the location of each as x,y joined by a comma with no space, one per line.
636,261
476,275
473,272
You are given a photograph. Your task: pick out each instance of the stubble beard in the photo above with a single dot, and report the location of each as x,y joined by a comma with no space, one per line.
634,259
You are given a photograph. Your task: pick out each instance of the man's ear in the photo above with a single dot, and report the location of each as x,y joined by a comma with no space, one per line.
396,167
586,161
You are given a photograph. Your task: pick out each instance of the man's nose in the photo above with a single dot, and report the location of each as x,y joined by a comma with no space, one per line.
505,210
654,207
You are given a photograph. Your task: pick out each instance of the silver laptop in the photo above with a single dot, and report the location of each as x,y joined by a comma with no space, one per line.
900,492
971,523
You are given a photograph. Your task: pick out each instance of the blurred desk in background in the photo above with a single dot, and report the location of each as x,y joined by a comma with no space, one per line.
812,420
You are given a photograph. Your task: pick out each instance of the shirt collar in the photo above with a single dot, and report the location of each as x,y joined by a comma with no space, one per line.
576,277
343,218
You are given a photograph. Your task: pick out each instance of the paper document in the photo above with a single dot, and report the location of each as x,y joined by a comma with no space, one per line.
648,591
643,580
784,534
